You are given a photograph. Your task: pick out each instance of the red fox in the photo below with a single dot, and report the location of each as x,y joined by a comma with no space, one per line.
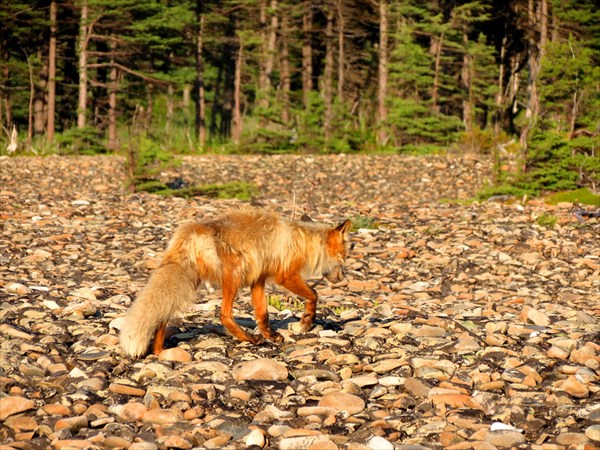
244,247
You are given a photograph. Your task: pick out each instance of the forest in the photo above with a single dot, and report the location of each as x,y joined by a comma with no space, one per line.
517,80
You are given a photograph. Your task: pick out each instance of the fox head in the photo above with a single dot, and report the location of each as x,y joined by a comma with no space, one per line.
337,251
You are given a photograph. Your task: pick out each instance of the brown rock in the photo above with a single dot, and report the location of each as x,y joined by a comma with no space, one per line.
416,387
175,354
13,405
133,412
74,424
505,439
260,369
341,401
217,441
162,416
575,388
21,423
528,314
124,389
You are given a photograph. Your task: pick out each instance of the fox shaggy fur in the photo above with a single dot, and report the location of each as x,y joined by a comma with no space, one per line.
241,248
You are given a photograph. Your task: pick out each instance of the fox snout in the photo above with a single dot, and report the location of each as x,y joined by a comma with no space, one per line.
335,275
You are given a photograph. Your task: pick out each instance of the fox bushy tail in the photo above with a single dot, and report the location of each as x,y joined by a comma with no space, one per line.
171,287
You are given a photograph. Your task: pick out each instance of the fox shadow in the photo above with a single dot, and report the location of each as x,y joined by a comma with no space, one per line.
193,332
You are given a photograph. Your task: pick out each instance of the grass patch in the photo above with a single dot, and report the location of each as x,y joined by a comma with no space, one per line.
359,221
583,196
339,310
234,189
504,190
279,303
547,220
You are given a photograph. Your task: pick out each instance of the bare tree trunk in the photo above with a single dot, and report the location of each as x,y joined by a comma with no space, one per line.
574,109
40,110
341,53
170,108
286,78
112,98
307,69
199,88
500,95
262,66
271,43
5,98
467,84
383,73
236,131
436,74
31,96
536,51
51,73
149,107
83,79
269,40
328,75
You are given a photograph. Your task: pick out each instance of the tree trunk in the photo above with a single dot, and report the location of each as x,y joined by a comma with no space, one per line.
467,84
500,98
40,110
236,131
51,73
436,74
262,66
341,53
5,97
269,40
83,78
271,44
31,97
112,98
199,88
170,108
286,78
536,51
383,74
307,69
149,107
328,75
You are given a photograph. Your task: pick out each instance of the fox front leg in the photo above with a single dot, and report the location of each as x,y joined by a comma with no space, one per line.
298,286
259,301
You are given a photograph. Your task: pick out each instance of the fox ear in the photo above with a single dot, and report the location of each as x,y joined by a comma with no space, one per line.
344,228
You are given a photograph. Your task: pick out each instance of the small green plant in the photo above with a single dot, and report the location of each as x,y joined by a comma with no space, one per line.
359,221
279,303
276,302
433,231
235,189
547,220
80,141
583,196
339,310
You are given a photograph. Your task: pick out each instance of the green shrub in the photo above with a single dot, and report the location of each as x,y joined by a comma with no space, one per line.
547,220
583,196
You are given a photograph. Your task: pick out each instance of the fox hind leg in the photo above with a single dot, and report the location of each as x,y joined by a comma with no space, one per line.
230,288
294,283
259,301
159,339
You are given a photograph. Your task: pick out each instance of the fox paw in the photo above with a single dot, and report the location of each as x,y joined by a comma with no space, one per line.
256,339
306,323
276,337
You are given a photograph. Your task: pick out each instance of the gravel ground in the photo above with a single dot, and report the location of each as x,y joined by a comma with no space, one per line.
460,325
